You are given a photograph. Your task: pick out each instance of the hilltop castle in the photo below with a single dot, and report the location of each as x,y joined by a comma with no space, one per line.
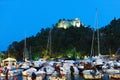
67,23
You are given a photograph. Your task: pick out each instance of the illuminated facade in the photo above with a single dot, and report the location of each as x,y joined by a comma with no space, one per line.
67,23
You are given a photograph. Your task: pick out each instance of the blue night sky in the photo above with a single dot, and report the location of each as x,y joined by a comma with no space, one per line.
20,17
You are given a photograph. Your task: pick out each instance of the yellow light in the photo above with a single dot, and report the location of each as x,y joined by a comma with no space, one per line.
85,57
113,55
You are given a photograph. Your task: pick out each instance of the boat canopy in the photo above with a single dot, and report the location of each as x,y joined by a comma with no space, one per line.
9,59
9,62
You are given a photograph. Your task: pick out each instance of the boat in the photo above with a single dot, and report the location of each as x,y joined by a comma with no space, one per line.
115,76
25,65
10,65
99,63
87,74
112,71
29,71
57,78
48,69
37,78
40,72
16,72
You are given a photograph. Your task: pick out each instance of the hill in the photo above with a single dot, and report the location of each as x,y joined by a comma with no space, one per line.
64,42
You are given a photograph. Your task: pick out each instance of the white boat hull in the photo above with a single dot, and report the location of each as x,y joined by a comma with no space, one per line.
87,75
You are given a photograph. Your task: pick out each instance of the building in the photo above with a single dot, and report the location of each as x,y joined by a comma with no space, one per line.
68,23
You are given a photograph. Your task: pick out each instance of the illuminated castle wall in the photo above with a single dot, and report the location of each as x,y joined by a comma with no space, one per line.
67,23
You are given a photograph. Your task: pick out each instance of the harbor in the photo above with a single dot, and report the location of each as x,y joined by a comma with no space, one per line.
59,40
67,69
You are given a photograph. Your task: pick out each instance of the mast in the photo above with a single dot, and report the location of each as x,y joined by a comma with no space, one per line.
30,56
98,42
92,44
49,43
97,33
8,54
25,50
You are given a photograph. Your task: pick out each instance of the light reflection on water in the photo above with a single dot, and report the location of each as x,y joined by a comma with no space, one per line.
68,76
14,78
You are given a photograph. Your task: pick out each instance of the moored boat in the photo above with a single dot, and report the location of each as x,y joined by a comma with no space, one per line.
57,78
9,64
29,71
115,76
87,74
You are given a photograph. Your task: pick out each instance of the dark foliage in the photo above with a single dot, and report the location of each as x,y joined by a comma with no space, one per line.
67,39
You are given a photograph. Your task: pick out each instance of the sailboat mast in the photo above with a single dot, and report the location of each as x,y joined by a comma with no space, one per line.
92,43
50,41
97,32
48,50
24,53
30,56
25,45
98,43
25,50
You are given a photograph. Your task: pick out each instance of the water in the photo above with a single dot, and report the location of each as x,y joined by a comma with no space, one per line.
14,78
68,76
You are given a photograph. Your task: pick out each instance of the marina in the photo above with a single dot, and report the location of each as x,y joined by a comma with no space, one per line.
32,47
81,69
